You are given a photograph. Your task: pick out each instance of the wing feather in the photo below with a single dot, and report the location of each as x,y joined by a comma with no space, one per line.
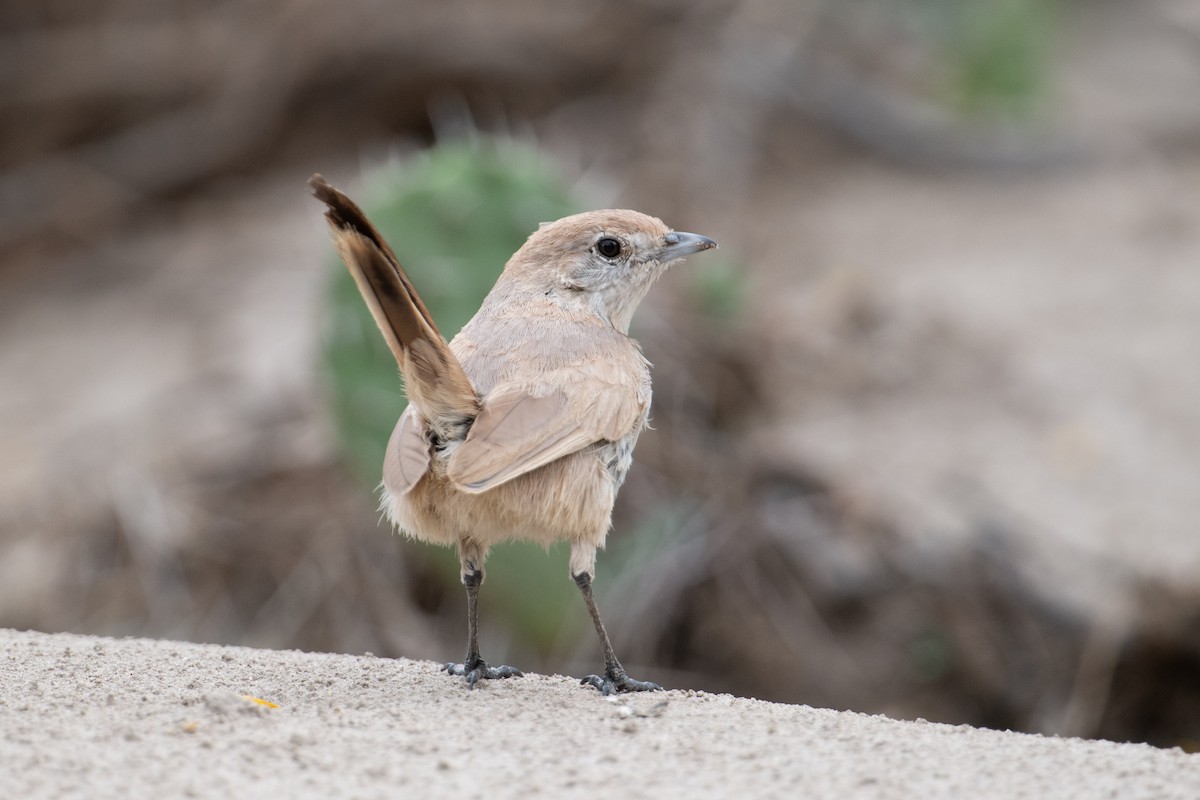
407,457
518,430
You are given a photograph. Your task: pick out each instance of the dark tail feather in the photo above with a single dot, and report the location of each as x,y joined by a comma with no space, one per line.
434,378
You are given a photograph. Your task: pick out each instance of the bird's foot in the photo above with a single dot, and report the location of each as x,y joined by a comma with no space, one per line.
475,671
615,680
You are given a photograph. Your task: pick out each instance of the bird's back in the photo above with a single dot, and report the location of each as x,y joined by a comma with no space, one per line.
542,344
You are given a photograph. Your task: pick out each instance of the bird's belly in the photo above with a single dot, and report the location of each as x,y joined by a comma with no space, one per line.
569,499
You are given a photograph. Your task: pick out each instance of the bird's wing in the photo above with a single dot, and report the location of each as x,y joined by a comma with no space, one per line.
407,457
519,430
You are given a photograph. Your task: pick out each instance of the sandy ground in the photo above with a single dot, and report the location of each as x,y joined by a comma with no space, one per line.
96,717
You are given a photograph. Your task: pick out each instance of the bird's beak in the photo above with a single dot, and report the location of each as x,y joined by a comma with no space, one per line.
678,244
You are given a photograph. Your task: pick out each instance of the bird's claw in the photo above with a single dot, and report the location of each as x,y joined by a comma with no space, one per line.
479,670
616,681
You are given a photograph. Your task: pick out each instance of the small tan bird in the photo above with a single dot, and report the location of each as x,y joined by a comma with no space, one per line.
523,427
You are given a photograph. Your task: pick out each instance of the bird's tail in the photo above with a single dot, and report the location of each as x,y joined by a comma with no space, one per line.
434,379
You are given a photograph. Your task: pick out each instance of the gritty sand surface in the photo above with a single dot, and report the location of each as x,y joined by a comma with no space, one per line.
85,716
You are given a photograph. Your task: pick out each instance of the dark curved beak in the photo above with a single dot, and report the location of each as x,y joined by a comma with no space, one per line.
678,244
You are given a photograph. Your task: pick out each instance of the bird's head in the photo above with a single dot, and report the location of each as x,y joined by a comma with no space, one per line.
604,261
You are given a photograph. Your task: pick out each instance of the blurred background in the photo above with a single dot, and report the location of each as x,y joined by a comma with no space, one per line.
927,427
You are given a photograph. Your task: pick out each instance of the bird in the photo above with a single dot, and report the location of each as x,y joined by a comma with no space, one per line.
523,426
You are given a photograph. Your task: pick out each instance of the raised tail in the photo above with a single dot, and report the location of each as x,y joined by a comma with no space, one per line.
434,379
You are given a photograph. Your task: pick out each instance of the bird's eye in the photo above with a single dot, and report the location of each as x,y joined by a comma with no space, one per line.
608,247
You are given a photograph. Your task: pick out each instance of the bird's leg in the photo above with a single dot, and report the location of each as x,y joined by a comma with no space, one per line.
615,678
474,668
